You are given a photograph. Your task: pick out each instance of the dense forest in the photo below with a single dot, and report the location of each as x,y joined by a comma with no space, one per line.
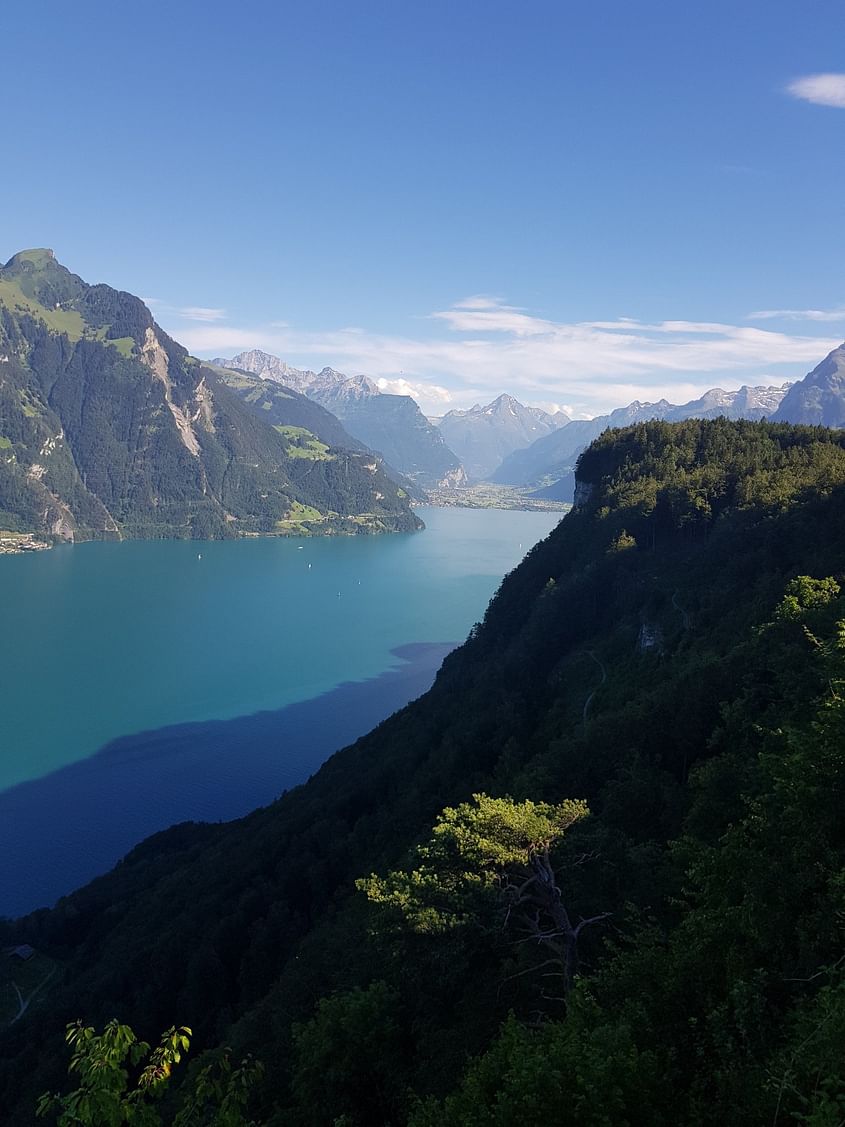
594,876
108,428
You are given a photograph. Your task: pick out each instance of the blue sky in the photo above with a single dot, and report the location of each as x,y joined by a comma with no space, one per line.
581,204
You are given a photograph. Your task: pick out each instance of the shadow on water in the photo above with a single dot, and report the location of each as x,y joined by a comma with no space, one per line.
58,832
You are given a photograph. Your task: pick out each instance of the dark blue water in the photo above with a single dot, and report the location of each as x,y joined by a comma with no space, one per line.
146,683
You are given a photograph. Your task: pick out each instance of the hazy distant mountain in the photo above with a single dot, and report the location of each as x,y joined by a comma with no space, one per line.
483,436
820,397
108,427
747,403
395,427
303,380
544,456
550,460
391,425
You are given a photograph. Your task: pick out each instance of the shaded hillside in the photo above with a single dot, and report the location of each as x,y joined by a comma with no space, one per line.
395,427
291,412
282,406
109,428
658,655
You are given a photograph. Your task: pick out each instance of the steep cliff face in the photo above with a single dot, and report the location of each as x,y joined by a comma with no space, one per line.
818,399
108,427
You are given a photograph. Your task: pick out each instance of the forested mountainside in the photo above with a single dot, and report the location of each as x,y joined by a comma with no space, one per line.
110,428
638,917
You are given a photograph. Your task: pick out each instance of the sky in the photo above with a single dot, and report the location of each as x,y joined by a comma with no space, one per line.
579,204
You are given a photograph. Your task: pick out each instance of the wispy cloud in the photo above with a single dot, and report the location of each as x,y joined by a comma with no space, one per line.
481,346
837,314
201,313
163,310
821,89
418,389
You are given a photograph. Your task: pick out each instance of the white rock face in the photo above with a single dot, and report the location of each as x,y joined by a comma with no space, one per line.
156,360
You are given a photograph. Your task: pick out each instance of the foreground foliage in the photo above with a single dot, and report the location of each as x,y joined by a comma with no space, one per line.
122,1081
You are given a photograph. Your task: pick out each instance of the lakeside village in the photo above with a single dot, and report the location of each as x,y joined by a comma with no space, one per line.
11,542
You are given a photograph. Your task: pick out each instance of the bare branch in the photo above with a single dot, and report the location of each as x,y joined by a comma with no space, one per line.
592,920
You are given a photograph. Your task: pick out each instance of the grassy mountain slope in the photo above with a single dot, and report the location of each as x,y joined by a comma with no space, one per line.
656,655
283,406
109,427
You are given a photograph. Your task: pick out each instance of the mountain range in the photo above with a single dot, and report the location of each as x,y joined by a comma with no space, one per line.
551,459
391,425
109,428
508,443
482,437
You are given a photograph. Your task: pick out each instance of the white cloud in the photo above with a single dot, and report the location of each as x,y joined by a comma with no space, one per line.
798,314
164,310
821,89
424,393
479,301
474,353
551,407
201,313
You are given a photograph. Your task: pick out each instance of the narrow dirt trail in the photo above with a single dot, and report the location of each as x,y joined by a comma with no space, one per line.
589,699
23,1003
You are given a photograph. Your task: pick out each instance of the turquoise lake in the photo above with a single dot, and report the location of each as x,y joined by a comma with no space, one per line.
111,650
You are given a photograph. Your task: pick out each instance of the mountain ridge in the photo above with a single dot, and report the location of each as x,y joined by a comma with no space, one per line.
108,427
393,426
484,435
818,399
552,457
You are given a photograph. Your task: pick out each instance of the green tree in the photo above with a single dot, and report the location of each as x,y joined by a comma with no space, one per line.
106,1096
121,1080
348,1059
492,853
